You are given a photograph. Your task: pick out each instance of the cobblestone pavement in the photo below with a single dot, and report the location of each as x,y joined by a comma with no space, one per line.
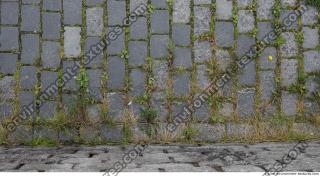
215,158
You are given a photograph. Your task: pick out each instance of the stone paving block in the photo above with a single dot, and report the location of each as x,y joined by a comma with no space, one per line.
116,72
70,84
25,98
9,13
9,38
7,85
160,22
245,21
264,61
51,26
6,110
138,52
98,60
202,19
223,59
72,41
245,102
264,10
160,4
284,14
8,63
289,48
182,57
181,34
137,82
47,79
310,38
226,90
224,9
239,130
29,1
288,3
289,72
116,12
30,48
138,30
28,77
311,86
202,51
136,3
50,54
202,76
226,110
72,12
248,74
244,3
95,2
264,28
311,61
202,114
310,16
94,113
181,11
244,44
267,84
159,46
224,32
94,21
289,103
160,72
54,5
115,105
30,18
311,108
209,133
181,84
88,134
160,105
48,110
112,133
200,2
178,108
68,102
45,133
116,46
23,134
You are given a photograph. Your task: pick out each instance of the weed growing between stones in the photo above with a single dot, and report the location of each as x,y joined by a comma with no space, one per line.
315,3
189,134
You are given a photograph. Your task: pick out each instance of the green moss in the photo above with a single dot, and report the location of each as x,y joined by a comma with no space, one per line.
279,41
189,133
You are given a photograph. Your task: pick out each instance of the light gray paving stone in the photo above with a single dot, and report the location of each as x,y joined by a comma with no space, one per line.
48,109
30,18
9,38
8,63
248,74
311,16
9,13
136,3
116,12
202,76
138,52
160,72
311,38
28,78
245,21
289,103
47,79
50,54
30,48
182,57
138,30
181,86
95,2
94,21
51,26
181,34
138,82
181,11
264,61
264,28
98,60
224,9
212,133
224,32
72,39
116,72
288,3
52,5
223,59
116,46
289,48
244,3
202,18
72,12
245,103
202,51
159,46
7,85
267,84
264,10
160,22
115,105
200,2
289,72
285,14
311,61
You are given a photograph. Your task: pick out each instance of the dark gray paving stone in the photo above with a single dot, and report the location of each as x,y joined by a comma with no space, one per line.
134,4
288,103
98,60
71,83
72,12
30,18
94,113
31,1
245,103
137,82
116,46
181,84
248,74
290,47
264,28
182,57
28,77
202,19
9,13
289,72
311,61
224,9
310,38
244,44
26,98
50,54
44,133
9,38
138,52
94,21
178,108
311,16
202,76
223,59
264,61
47,79
202,114
115,105
112,134
311,108
284,14
72,39
159,4
52,5
30,48
139,30
68,102
224,32
116,72
200,2
160,72
159,46
202,51
244,3
6,110
95,76
311,86
8,63
267,84
288,3
48,110
95,2
116,12
245,21
160,22
264,10
51,26
181,11
7,86
181,34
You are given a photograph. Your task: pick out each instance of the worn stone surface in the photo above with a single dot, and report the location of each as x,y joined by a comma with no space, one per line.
311,61
160,22
245,103
138,51
72,41
289,103
30,48
289,48
50,54
224,9
264,10
202,51
246,21
310,37
182,57
116,72
289,72
224,32
181,11
94,21
202,20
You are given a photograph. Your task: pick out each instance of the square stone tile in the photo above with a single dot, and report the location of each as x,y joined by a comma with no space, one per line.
8,63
